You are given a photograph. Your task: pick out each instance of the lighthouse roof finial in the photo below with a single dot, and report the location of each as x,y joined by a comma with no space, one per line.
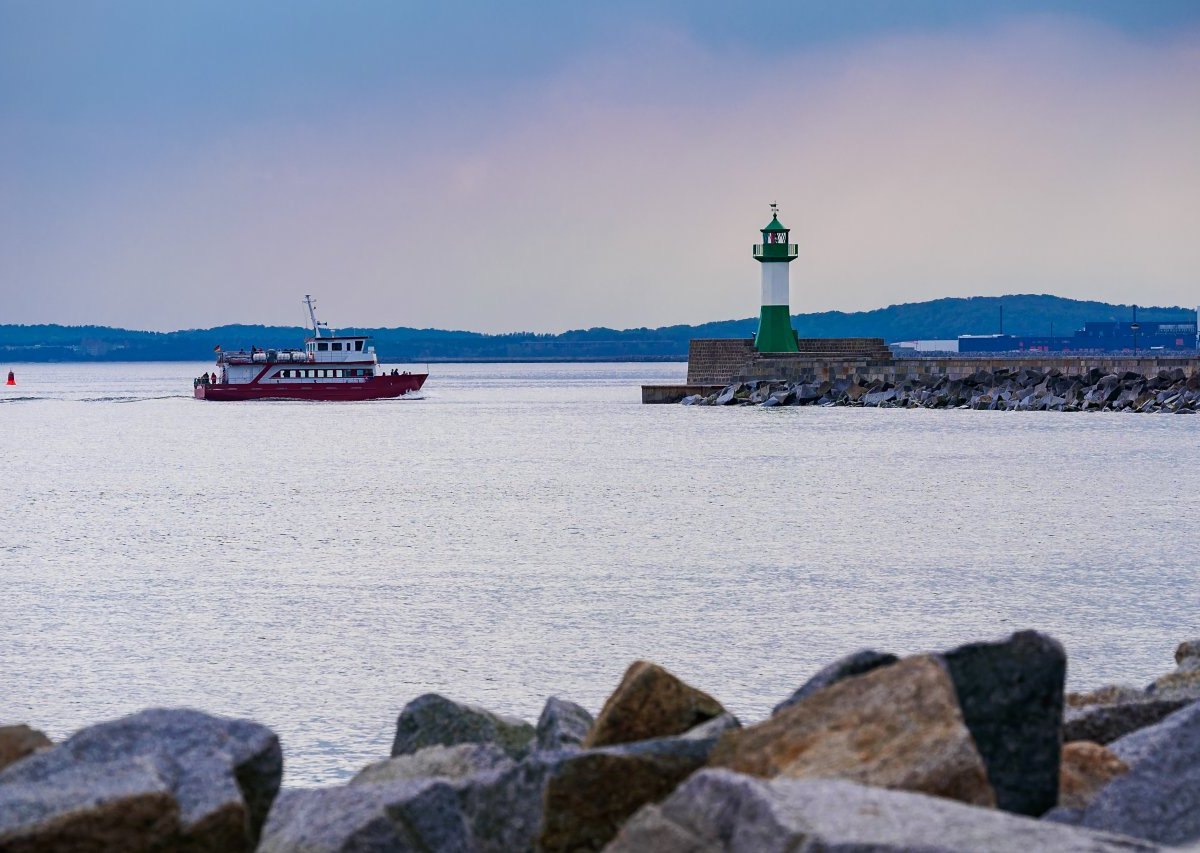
774,224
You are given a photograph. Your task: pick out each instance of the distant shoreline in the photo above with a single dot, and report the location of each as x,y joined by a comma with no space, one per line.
383,359
934,320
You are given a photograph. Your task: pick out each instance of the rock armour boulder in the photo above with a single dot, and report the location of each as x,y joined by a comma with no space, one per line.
160,779
1107,723
856,663
714,728
1086,768
717,811
1003,390
1184,682
1159,797
433,720
436,762
650,703
590,794
562,725
898,726
496,811
1011,695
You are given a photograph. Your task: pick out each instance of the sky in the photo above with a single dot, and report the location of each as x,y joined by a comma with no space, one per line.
545,166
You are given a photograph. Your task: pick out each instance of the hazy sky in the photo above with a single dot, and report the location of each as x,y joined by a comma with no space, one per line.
555,165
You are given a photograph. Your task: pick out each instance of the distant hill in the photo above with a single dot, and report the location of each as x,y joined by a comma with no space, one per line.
936,319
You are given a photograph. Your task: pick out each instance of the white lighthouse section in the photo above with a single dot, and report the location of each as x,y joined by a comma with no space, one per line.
775,290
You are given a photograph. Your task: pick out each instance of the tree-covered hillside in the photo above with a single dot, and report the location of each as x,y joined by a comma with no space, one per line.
936,319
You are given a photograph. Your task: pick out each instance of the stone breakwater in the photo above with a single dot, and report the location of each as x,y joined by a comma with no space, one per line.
999,390
973,748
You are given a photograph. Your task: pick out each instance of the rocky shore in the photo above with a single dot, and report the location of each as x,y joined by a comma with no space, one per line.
1004,390
972,749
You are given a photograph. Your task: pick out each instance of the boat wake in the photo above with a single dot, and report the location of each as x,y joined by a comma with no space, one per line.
129,399
119,398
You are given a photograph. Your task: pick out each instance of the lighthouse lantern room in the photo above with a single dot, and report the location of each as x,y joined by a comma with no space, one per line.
775,332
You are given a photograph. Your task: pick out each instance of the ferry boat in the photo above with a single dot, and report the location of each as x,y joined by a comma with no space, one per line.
330,367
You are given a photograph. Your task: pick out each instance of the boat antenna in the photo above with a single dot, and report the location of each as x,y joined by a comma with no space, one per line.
312,313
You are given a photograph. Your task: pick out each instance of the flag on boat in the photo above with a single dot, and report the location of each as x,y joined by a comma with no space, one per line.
217,348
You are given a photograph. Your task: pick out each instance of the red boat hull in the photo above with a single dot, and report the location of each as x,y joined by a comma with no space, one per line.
374,388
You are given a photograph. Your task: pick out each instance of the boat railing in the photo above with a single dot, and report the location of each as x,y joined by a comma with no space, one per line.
270,356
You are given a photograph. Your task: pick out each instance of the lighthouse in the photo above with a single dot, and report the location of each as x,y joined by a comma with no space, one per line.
774,320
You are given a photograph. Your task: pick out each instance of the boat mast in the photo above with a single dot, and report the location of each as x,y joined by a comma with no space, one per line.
312,313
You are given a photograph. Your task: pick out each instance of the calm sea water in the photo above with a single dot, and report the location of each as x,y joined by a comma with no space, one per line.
523,531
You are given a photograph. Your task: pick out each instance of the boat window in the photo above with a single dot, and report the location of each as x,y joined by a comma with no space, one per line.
312,374
358,345
323,346
337,346
337,374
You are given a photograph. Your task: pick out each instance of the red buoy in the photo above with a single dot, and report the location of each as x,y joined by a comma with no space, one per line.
12,380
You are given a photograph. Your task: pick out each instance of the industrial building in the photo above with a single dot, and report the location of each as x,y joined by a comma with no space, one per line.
1104,336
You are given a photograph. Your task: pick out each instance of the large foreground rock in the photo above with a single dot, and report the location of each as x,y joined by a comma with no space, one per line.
16,742
856,663
563,724
898,726
721,812
496,811
590,794
433,720
1159,798
549,801
650,703
160,779
1011,695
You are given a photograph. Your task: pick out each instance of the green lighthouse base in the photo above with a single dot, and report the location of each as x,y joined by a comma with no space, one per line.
775,333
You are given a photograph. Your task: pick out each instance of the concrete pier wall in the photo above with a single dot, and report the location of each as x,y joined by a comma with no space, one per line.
720,362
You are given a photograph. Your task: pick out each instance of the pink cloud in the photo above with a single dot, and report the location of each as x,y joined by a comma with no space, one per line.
1052,155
